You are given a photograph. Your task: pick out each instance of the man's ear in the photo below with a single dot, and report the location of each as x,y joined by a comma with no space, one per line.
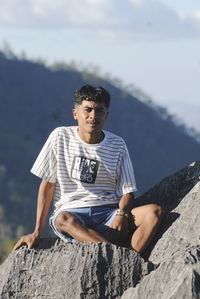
74,111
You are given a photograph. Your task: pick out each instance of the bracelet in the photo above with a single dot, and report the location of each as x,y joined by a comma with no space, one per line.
122,213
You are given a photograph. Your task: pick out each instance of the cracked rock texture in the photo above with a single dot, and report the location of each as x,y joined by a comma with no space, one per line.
171,268
73,271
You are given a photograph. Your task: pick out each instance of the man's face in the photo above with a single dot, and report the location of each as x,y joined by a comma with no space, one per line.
90,116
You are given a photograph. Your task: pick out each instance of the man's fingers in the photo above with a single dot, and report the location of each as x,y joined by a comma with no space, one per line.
23,241
30,245
19,244
118,224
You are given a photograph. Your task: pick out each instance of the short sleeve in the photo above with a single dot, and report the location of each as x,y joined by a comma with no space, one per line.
45,166
126,178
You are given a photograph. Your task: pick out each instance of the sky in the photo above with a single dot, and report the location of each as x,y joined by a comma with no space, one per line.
151,44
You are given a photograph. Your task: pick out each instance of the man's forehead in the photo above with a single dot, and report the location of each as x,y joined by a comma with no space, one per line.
91,103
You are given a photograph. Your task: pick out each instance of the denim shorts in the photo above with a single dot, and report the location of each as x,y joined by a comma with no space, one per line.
97,218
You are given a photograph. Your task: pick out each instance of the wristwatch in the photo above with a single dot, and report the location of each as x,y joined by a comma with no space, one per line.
122,213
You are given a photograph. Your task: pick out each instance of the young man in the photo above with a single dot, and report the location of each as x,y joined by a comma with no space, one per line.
89,174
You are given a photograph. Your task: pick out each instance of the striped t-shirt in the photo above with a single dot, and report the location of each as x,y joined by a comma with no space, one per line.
85,174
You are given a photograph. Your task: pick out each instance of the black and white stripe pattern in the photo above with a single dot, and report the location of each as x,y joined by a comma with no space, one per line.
110,160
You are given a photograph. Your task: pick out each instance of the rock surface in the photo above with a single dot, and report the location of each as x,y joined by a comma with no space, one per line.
176,248
58,270
72,271
177,277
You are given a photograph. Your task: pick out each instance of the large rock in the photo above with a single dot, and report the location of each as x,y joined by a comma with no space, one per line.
71,271
177,277
176,248
58,270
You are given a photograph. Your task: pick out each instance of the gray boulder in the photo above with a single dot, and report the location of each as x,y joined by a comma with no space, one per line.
176,248
177,277
58,270
170,268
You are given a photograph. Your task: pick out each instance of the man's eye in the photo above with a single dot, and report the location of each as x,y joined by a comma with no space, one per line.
88,110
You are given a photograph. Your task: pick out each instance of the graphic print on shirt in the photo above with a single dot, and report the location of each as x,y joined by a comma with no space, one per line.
84,169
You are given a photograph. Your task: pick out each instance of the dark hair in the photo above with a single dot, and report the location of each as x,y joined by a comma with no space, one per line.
92,93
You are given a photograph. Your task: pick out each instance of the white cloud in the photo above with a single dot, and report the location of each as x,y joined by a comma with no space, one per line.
127,19
193,17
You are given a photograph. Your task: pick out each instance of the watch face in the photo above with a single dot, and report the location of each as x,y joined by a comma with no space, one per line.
122,213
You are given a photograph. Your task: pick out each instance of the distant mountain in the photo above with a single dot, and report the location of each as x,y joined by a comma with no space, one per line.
34,99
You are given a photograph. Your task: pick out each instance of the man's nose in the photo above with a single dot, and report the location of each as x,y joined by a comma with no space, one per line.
93,114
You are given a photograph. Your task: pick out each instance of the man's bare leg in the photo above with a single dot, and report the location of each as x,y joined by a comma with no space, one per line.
66,222
146,219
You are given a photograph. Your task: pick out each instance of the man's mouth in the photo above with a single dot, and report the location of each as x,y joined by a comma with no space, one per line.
93,123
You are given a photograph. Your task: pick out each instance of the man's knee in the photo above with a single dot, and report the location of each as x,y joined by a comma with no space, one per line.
64,219
158,210
155,211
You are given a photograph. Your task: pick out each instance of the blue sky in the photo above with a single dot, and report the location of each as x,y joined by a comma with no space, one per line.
152,44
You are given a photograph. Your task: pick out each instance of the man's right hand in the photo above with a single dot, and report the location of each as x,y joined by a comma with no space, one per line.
29,240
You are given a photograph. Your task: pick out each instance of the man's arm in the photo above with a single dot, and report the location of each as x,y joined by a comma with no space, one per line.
45,195
126,202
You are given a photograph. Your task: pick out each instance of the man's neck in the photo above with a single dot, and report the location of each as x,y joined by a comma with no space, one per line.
91,138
